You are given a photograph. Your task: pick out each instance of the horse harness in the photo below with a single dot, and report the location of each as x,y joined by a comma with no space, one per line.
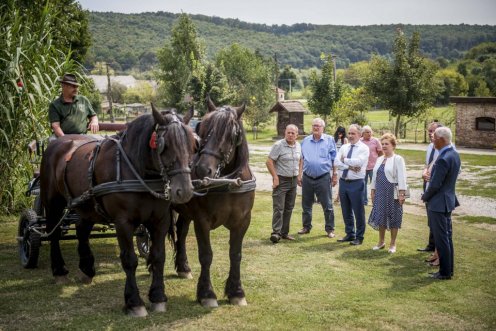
159,188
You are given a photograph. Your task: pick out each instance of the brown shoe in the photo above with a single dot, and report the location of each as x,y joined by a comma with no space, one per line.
304,231
331,234
287,237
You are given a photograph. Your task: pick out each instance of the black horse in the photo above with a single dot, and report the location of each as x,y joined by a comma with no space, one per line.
156,149
223,154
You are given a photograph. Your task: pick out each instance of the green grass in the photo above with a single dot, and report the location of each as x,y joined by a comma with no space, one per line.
478,219
312,284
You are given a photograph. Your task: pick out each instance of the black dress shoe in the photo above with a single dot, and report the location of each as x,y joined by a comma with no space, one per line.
275,238
426,249
437,275
347,238
356,242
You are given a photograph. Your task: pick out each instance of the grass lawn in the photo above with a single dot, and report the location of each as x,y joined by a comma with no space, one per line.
313,283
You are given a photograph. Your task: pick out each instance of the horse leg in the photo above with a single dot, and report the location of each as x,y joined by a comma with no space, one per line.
54,212
234,290
181,257
204,292
86,258
134,305
155,262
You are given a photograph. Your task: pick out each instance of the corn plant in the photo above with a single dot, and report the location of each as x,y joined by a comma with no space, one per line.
29,67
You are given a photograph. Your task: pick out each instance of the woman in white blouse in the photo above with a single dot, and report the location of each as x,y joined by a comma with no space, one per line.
387,210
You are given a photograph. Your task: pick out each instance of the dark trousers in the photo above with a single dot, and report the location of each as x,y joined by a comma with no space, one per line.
442,231
320,187
367,179
351,197
431,244
283,201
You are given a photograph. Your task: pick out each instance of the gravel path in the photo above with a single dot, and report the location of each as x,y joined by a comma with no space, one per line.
469,205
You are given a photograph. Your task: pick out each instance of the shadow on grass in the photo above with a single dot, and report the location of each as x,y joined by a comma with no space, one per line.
33,297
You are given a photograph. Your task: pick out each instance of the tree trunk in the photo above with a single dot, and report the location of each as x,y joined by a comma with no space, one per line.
397,126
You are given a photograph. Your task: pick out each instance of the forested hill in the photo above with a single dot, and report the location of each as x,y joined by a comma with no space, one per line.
131,40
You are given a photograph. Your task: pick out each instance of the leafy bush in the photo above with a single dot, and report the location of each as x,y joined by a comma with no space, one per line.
29,67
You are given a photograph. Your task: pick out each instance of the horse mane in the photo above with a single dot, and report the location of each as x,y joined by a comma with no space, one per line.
137,136
225,120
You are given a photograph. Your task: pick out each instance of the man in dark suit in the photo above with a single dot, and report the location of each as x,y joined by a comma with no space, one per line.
441,200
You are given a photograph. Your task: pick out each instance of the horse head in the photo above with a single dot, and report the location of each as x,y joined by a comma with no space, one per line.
221,135
171,144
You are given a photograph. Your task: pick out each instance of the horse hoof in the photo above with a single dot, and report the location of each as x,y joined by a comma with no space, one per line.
137,311
85,279
238,301
185,275
61,280
160,307
209,303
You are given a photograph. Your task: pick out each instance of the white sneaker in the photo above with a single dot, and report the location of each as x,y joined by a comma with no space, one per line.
377,247
392,249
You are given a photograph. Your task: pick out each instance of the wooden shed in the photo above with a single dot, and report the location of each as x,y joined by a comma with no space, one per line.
475,121
289,112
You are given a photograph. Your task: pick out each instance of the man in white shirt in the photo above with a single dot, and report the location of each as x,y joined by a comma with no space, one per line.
351,162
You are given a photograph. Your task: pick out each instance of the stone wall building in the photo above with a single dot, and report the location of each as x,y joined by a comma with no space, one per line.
475,121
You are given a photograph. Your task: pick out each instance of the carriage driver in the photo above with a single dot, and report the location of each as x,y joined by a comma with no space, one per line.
71,113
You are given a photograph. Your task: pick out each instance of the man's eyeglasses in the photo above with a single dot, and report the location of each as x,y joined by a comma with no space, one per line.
316,125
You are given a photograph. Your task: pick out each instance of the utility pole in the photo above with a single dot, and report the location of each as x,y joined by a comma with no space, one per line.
334,64
109,95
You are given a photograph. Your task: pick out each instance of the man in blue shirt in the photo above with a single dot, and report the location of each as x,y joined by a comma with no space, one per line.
318,152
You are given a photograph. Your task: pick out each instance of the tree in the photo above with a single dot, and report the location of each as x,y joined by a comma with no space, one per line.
326,92
117,92
451,83
352,106
181,70
356,74
287,79
249,77
141,93
404,85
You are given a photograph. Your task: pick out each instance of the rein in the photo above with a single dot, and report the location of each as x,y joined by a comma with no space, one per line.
159,188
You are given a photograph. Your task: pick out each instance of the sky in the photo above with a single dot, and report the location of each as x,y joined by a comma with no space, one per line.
342,12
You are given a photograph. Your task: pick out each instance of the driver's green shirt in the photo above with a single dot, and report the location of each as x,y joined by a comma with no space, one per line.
73,117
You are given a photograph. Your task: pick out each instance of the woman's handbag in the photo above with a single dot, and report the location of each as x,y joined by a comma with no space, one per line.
396,193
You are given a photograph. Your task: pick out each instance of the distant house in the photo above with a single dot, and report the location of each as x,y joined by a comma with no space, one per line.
475,121
289,112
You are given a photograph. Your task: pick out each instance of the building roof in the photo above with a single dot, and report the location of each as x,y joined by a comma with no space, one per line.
473,99
291,106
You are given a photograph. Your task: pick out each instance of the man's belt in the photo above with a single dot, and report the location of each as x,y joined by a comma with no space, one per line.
351,180
318,177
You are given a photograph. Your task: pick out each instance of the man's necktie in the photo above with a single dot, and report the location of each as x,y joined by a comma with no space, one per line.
345,171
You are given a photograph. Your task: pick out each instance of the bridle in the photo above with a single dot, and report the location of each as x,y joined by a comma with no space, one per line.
157,144
224,158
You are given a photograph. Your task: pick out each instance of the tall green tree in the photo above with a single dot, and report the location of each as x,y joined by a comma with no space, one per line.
326,92
451,83
181,70
250,79
404,85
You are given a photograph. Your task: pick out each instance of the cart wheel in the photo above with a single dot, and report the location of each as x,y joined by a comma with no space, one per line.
29,241
143,241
